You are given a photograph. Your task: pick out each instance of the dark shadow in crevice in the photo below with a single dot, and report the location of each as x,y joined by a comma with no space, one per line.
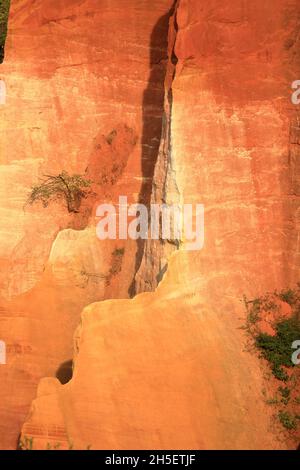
18,444
4,12
65,372
153,117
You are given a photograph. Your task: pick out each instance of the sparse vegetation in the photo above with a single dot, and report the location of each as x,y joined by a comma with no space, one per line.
256,306
273,328
69,188
4,10
117,257
272,401
289,296
253,310
119,252
116,264
26,443
297,400
287,420
285,394
277,349
54,447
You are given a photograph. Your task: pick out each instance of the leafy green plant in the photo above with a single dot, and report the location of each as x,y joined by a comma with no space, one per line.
289,296
297,400
287,420
272,401
285,393
4,10
116,264
117,256
256,306
253,309
277,349
69,188
270,306
119,252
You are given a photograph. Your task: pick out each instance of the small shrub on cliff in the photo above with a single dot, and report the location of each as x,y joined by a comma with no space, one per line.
25,443
277,349
116,265
285,394
69,188
253,311
118,252
287,420
4,9
289,296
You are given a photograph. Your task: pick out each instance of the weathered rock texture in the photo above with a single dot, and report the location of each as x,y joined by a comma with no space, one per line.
168,369
85,91
153,255
161,371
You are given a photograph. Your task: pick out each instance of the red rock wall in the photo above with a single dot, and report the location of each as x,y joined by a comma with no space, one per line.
169,369
233,122
75,71
234,140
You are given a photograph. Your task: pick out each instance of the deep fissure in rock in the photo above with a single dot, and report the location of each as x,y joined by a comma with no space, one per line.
156,169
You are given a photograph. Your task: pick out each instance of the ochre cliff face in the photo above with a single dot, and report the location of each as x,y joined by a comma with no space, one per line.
85,90
73,71
169,369
236,66
161,371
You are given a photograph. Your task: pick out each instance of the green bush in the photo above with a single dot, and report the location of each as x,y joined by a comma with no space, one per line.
277,349
289,296
285,393
69,188
287,420
253,312
119,252
4,10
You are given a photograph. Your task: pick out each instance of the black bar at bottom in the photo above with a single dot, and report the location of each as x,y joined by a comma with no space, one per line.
151,459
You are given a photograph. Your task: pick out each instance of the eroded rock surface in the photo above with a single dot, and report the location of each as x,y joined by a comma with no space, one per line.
84,83
164,370
168,369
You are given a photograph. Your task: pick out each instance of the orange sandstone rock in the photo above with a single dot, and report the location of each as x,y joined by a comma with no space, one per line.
74,71
169,369
160,371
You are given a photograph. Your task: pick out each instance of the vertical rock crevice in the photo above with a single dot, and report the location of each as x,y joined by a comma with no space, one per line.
155,253
74,60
